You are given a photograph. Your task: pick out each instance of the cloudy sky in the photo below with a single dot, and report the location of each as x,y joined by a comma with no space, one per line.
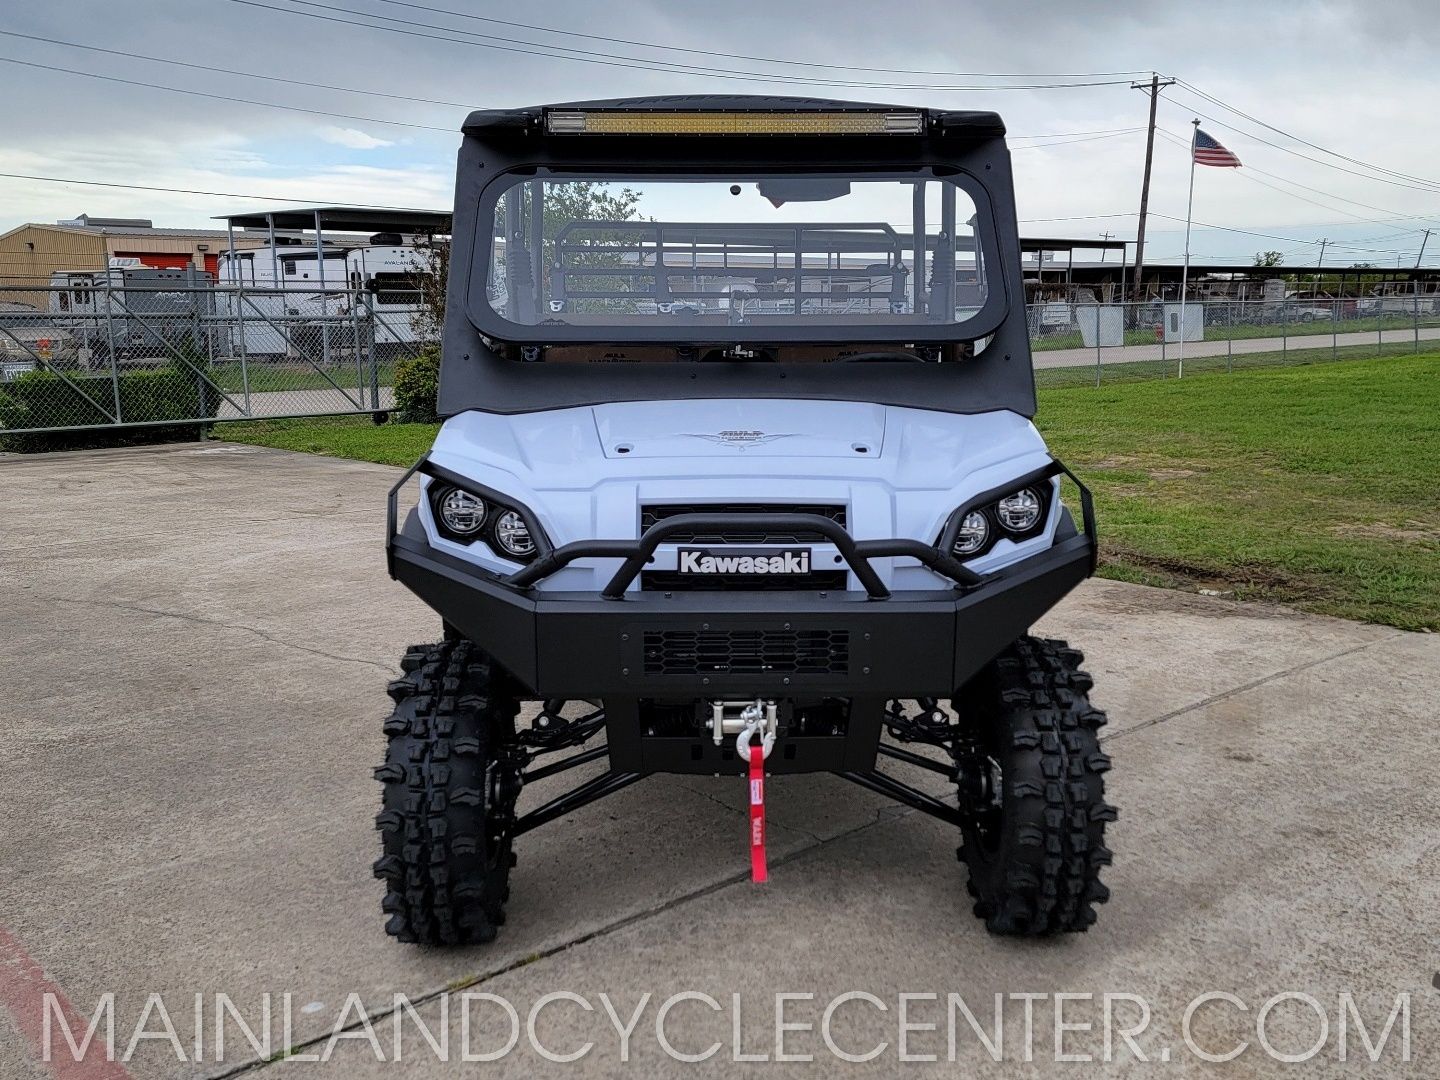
1355,78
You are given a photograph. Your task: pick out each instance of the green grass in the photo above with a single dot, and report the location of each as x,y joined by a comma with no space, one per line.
356,437
268,375
1145,370
1312,485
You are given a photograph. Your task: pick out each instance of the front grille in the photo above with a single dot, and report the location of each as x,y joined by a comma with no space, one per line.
737,534
747,652
674,581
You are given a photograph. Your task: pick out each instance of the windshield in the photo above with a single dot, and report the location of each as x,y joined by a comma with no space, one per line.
789,250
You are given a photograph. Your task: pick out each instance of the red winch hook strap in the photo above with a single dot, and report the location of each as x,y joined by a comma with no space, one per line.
758,871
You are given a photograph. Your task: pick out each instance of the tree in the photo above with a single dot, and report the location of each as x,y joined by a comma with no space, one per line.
585,200
432,275
1268,258
589,200
565,202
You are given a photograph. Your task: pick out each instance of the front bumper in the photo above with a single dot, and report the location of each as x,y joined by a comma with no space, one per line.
740,644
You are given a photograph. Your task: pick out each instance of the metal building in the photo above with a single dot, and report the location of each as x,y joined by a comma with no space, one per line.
29,254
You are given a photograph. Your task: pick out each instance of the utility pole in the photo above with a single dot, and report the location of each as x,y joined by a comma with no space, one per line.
1104,250
1153,88
1320,263
1423,242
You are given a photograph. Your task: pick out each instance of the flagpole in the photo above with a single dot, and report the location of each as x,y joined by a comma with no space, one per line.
1185,274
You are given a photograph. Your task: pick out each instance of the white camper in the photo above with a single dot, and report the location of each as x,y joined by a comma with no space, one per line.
289,297
132,311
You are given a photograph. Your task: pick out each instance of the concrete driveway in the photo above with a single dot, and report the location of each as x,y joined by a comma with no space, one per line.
196,641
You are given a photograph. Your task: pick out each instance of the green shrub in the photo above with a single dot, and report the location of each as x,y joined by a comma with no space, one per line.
417,386
42,399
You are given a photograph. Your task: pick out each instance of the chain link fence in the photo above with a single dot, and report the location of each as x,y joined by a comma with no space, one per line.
164,353
169,353
1075,344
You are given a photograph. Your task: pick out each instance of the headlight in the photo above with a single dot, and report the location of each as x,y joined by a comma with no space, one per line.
974,531
462,512
513,535
1017,516
1020,511
463,516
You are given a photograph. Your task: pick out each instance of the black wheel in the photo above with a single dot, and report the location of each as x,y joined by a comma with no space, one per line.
451,780
1032,781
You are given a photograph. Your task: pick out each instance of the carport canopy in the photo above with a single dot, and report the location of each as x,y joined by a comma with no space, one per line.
357,219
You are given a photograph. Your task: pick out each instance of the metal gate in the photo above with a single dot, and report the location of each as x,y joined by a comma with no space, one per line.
90,353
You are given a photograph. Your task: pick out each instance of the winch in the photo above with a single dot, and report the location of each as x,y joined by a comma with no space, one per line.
745,719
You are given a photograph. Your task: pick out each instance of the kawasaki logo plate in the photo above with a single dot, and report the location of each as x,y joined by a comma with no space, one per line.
732,560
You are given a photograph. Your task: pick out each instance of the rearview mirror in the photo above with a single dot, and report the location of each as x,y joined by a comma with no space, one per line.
781,191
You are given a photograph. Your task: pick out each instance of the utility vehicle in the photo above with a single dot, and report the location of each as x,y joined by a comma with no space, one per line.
738,470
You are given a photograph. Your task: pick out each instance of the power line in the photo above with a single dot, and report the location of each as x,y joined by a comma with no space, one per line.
1272,236
1295,153
1058,134
1351,217
361,206
1344,199
1304,142
210,69
212,194
688,68
1090,138
639,64
1247,170
760,59
295,200
1324,206
1078,217
219,97
1235,229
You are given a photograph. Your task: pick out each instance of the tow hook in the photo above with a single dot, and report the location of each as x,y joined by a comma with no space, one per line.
749,719
745,720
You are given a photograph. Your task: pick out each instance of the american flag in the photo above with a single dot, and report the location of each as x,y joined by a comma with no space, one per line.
1209,152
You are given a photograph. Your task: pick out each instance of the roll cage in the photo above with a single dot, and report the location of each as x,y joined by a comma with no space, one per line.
663,255
984,360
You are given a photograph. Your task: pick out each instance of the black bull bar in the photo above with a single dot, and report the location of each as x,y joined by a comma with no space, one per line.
590,644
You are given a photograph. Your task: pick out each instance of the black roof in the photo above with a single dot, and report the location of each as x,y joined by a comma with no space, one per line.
493,121
344,219
1174,268
1055,243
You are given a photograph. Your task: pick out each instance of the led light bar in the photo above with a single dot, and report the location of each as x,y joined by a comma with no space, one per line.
624,122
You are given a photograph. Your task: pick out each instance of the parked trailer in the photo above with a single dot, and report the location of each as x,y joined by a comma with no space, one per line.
130,311
1401,301
389,282
270,294
292,301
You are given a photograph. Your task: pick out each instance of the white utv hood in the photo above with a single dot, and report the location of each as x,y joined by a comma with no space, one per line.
586,473
754,429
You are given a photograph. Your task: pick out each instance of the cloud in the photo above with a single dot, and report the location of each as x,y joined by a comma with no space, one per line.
1365,87
353,138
